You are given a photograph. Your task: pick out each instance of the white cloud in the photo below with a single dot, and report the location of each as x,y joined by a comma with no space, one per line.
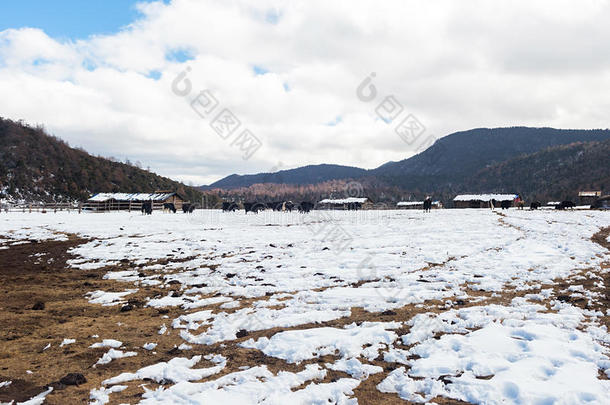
454,65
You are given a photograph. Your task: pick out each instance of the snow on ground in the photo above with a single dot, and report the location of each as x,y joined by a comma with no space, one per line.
109,298
115,344
258,385
176,370
298,345
38,399
559,362
113,355
66,342
470,300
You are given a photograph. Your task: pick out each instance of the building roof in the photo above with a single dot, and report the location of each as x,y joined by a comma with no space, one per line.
485,197
102,197
590,194
349,200
411,203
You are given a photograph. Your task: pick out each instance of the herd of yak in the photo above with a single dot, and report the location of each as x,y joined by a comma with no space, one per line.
537,204
147,207
255,207
306,206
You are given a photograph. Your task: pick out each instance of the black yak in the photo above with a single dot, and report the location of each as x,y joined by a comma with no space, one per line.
169,207
535,205
229,206
147,207
565,204
427,204
254,207
305,207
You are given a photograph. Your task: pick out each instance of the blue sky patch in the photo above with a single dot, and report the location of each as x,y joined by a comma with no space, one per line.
335,122
69,19
259,71
154,74
179,55
272,17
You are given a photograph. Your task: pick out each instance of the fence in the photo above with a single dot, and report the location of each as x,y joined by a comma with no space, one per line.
40,207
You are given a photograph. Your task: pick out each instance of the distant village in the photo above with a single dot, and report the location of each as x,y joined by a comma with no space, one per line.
172,201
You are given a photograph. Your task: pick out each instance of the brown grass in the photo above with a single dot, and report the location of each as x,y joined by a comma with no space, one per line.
25,279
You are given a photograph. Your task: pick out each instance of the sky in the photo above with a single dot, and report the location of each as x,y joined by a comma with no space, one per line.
200,89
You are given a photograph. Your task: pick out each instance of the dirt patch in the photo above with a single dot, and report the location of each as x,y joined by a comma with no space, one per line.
37,272
35,275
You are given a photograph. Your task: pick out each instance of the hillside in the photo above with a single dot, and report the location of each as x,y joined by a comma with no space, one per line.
552,174
452,160
312,174
445,167
35,166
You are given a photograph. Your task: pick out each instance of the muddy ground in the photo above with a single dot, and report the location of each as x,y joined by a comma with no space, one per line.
35,275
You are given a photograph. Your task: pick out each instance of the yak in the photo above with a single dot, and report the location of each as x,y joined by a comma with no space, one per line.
505,204
169,207
254,207
228,206
147,207
427,204
305,206
535,205
565,204
188,208
275,205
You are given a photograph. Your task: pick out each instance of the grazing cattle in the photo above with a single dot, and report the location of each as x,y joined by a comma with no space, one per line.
305,206
535,205
169,207
188,208
254,207
147,207
275,205
229,206
505,204
565,204
288,206
427,204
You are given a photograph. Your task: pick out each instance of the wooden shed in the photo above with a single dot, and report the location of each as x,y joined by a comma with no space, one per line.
416,205
602,203
132,201
350,203
588,197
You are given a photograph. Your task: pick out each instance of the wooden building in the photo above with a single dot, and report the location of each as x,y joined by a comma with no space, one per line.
482,200
416,205
350,203
132,201
588,197
602,203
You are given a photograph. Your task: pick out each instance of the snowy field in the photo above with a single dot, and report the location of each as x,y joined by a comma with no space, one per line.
472,305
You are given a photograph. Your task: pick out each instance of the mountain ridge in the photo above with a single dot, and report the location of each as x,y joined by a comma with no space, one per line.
35,166
450,160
